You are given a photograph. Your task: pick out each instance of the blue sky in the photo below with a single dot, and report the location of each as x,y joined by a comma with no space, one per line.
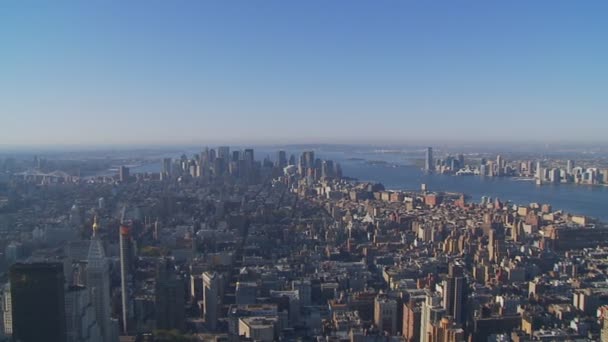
137,72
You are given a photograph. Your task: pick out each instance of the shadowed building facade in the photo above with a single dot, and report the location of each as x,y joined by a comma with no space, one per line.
38,301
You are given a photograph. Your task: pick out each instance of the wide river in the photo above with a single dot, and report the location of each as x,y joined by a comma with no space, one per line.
400,173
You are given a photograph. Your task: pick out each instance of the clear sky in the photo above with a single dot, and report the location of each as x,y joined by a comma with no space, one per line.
121,72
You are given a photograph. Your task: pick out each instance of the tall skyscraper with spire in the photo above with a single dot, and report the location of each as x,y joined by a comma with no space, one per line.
98,283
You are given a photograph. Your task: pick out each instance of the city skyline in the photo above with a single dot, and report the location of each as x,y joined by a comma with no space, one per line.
106,74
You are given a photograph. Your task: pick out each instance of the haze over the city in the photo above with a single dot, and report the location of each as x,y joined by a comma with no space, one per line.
99,73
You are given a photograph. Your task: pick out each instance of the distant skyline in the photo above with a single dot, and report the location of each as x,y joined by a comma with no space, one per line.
279,72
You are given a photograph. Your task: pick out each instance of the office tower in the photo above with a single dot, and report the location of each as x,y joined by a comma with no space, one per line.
500,165
304,289
432,312
219,167
569,166
281,159
338,171
308,158
554,175
224,153
461,161
327,169
211,299
169,298
236,156
539,171
248,155
385,314
203,159
81,323
183,163
37,298
292,160
529,168
302,165
7,310
500,161
124,174
287,301
98,282
125,255
428,162
167,165
211,156
246,292
454,293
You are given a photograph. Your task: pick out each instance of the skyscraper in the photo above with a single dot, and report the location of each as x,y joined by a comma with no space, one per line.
281,159
327,169
539,172
309,159
569,166
125,253
428,163
211,299
454,295
81,322
98,282
38,301
124,174
248,155
169,298
167,166
223,152
500,165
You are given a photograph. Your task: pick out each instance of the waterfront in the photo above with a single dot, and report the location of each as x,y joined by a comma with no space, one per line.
402,172
586,200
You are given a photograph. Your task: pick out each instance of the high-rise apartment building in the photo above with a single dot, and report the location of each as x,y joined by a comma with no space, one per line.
411,321
454,295
385,314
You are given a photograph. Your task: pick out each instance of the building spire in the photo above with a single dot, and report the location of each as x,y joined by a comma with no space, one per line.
95,225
